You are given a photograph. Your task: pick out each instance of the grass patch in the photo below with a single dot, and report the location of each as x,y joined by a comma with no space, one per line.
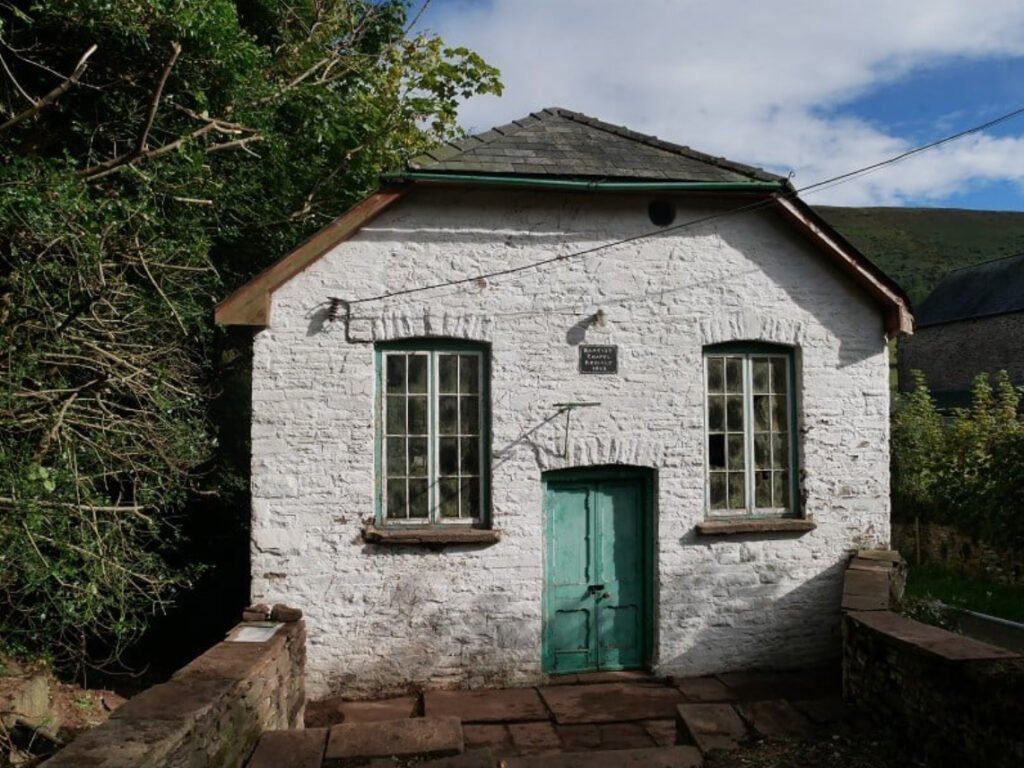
929,583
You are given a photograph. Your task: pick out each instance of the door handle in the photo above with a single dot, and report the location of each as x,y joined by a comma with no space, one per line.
595,588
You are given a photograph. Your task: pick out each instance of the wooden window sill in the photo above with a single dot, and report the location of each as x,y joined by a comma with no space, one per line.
441,535
739,527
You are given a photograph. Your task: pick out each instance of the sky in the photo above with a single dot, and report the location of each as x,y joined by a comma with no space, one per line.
812,88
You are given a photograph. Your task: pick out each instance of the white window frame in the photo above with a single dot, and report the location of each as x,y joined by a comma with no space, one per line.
748,353
433,353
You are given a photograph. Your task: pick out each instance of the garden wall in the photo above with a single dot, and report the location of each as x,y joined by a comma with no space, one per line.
958,551
210,714
959,701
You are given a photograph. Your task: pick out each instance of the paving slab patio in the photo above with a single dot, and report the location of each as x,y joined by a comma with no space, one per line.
775,718
706,689
650,757
509,705
334,711
710,726
611,702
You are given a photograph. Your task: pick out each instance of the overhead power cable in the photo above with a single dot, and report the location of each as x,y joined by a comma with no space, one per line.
817,186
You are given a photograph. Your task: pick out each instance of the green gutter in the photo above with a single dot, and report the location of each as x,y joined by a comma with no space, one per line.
611,186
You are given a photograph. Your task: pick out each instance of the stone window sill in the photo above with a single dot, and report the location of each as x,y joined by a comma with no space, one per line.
440,535
740,527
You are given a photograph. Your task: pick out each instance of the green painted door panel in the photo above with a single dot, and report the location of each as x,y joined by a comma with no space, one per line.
596,574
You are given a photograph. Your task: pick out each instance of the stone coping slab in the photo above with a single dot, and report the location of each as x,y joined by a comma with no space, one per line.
510,705
421,736
290,749
940,642
611,702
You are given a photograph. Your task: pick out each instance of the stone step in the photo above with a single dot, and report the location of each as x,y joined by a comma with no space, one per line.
417,737
649,757
290,749
709,726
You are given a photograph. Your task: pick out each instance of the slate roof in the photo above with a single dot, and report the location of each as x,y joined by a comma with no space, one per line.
557,142
992,288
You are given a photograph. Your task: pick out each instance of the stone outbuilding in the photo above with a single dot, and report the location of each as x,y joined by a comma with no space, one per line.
973,322
564,397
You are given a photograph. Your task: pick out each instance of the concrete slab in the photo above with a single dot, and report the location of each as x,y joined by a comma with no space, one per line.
624,736
491,736
534,738
709,726
421,736
290,749
704,689
335,711
510,705
652,757
611,702
775,718
662,732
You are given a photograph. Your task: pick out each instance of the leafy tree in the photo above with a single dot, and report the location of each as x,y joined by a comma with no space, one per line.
157,153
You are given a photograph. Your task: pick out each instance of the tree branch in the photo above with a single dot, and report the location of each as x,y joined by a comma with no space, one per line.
53,95
154,103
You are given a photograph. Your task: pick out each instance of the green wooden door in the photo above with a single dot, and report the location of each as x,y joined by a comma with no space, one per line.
596,587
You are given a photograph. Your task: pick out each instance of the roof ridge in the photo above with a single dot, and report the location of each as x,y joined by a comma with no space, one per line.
668,146
966,267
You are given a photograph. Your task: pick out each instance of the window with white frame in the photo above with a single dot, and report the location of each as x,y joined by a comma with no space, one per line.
432,428
750,422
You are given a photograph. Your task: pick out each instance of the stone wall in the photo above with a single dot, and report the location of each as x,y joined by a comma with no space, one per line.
386,618
952,354
959,701
958,551
210,714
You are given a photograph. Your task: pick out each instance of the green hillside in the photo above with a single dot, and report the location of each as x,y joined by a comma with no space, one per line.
918,246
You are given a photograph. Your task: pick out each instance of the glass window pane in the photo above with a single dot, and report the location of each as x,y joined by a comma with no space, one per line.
396,416
471,497
780,418
716,413
736,452
395,376
718,490
780,451
469,416
469,374
779,375
760,373
470,456
448,373
733,374
418,373
417,415
448,414
716,374
418,457
396,499
762,451
716,451
763,489
449,497
448,461
737,490
419,498
762,421
781,490
395,457
734,408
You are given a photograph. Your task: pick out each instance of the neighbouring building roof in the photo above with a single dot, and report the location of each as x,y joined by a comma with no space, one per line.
559,148
992,288
557,142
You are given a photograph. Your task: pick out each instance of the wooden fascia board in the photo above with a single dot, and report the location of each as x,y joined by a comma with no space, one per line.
250,304
898,317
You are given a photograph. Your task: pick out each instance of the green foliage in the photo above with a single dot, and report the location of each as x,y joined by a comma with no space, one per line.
967,469
918,246
143,180
931,588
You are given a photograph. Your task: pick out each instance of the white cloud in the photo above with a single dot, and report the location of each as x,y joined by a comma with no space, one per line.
755,81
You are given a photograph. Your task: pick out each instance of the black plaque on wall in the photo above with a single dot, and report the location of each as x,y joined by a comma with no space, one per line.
599,358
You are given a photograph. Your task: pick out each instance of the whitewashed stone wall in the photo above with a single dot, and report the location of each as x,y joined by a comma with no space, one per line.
385,618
